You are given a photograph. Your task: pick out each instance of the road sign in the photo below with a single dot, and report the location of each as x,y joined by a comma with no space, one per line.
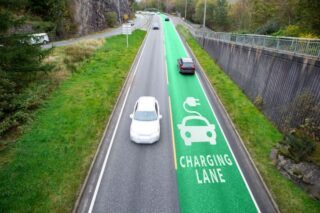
127,30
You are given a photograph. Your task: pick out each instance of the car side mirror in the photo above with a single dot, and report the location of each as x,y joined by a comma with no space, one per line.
160,116
131,116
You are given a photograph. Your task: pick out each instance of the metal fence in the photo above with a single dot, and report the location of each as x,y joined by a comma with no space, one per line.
300,46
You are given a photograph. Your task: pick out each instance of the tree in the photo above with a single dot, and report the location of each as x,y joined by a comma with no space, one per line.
18,59
240,16
309,15
16,54
221,15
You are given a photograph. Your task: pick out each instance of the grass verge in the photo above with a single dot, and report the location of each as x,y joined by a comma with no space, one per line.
52,157
258,134
32,89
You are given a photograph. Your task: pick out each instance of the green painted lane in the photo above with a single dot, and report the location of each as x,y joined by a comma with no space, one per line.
209,179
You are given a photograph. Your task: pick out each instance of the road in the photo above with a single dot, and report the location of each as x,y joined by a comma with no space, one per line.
140,22
171,176
140,178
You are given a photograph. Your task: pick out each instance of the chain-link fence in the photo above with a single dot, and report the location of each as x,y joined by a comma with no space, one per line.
292,45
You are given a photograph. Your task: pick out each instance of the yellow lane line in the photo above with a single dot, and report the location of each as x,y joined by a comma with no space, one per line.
172,134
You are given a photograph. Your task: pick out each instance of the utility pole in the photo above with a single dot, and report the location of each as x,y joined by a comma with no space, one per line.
158,5
185,10
204,21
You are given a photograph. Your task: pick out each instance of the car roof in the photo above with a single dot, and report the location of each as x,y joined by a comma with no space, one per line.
39,34
146,103
187,60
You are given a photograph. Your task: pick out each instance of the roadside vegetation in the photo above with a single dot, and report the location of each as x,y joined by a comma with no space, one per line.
258,134
22,93
43,169
296,18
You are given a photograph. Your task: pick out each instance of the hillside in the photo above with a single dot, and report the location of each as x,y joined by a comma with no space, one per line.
63,18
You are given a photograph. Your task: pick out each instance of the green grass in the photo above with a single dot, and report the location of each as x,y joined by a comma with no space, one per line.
258,134
52,157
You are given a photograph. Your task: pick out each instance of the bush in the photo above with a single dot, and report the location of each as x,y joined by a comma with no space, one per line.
111,19
300,147
304,115
268,28
258,101
75,55
293,31
7,103
43,26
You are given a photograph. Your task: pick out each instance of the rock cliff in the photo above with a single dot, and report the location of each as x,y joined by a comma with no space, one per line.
89,15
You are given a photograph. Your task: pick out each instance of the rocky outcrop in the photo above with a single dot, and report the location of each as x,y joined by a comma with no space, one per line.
89,15
304,174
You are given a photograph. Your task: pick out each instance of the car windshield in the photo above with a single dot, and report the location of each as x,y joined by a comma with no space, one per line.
145,115
187,64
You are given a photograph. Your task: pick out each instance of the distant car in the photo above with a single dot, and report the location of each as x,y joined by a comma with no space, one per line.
145,125
186,65
167,18
155,26
131,23
39,38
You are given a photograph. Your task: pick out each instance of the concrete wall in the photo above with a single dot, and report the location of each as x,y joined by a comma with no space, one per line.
289,85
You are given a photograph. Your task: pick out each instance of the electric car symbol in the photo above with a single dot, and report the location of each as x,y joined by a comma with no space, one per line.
203,132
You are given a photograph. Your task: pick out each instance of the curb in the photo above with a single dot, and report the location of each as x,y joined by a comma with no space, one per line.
84,184
233,126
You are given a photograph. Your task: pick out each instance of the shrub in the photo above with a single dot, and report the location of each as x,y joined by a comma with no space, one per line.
304,115
7,102
125,17
76,54
43,26
111,18
258,101
268,28
290,30
299,146
308,35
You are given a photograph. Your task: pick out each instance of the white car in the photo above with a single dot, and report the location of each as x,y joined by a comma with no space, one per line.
39,38
145,125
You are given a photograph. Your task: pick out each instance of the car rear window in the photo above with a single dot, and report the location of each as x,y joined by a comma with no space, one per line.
145,115
188,64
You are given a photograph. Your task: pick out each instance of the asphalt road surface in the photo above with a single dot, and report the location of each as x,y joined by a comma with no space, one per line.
127,177
140,22
141,178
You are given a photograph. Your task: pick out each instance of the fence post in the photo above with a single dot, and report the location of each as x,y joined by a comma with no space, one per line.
264,42
307,48
292,44
278,41
295,47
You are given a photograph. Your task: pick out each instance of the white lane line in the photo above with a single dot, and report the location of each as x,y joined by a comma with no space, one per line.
114,133
164,51
241,173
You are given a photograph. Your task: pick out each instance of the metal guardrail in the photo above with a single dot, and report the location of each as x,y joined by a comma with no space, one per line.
300,46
